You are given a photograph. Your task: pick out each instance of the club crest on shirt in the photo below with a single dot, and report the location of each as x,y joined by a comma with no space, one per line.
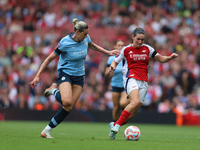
85,43
130,52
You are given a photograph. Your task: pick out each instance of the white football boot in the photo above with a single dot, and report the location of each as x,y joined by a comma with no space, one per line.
113,131
111,125
49,91
46,134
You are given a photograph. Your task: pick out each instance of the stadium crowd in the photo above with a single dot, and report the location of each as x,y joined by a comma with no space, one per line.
31,29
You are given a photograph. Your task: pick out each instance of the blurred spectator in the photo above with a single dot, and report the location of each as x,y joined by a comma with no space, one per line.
96,6
168,83
28,24
38,101
49,17
5,61
5,102
77,13
176,28
164,107
16,26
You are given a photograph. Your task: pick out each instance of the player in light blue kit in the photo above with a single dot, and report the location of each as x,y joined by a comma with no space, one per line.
119,96
72,50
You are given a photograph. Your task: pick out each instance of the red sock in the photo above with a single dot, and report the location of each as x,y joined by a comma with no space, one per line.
124,116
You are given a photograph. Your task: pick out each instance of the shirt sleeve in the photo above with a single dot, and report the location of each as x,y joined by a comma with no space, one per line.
57,51
120,57
152,52
62,44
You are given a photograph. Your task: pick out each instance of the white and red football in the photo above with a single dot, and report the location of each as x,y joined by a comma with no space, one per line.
132,133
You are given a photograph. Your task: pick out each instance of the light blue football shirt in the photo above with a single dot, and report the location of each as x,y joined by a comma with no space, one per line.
72,58
117,79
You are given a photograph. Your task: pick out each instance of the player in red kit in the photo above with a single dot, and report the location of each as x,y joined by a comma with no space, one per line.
135,78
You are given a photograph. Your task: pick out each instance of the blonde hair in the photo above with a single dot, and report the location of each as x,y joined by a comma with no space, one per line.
79,25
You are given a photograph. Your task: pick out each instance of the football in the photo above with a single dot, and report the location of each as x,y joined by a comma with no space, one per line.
132,133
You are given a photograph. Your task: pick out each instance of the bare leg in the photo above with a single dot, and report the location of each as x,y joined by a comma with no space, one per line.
116,105
124,101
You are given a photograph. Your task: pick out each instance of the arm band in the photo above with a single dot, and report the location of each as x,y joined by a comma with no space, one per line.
58,51
154,54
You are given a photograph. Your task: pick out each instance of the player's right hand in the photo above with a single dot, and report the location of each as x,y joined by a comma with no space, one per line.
34,82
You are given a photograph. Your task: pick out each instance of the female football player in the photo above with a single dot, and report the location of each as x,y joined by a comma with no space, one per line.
72,50
119,97
135,71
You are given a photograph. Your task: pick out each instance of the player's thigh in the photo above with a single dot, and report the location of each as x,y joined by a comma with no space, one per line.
76,92
65,89
134,96
124,100
115,98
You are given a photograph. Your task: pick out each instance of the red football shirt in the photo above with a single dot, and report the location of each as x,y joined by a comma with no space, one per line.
136,61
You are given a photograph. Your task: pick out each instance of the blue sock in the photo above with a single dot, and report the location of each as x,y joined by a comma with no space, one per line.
58,96
58,118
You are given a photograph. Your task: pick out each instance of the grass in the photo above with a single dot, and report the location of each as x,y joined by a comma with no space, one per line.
25,135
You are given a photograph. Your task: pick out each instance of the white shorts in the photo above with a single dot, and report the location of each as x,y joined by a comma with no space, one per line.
131,84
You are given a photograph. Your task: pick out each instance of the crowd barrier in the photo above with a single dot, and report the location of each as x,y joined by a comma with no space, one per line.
86,116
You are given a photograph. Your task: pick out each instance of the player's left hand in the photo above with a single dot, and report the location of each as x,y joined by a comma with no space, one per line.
174,55
111,69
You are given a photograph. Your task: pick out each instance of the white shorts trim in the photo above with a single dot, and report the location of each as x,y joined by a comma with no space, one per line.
131,84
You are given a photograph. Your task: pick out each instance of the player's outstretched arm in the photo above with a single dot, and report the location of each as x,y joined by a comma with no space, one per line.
164,59
101,49
42,67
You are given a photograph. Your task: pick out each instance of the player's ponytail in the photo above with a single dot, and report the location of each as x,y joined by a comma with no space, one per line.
79,25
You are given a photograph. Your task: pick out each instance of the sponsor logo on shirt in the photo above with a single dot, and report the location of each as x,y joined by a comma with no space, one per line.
144,51
138,56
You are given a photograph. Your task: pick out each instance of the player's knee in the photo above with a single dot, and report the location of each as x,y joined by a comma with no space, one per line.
66,104
116,107
135,102
123,104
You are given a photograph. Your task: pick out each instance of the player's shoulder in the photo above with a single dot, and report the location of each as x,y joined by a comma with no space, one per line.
126,47
148,46
88,36
88,39
65,39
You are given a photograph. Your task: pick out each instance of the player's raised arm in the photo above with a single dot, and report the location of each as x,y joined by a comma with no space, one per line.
164,59
101,49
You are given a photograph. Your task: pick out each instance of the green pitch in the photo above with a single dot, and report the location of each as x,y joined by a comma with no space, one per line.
21,135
